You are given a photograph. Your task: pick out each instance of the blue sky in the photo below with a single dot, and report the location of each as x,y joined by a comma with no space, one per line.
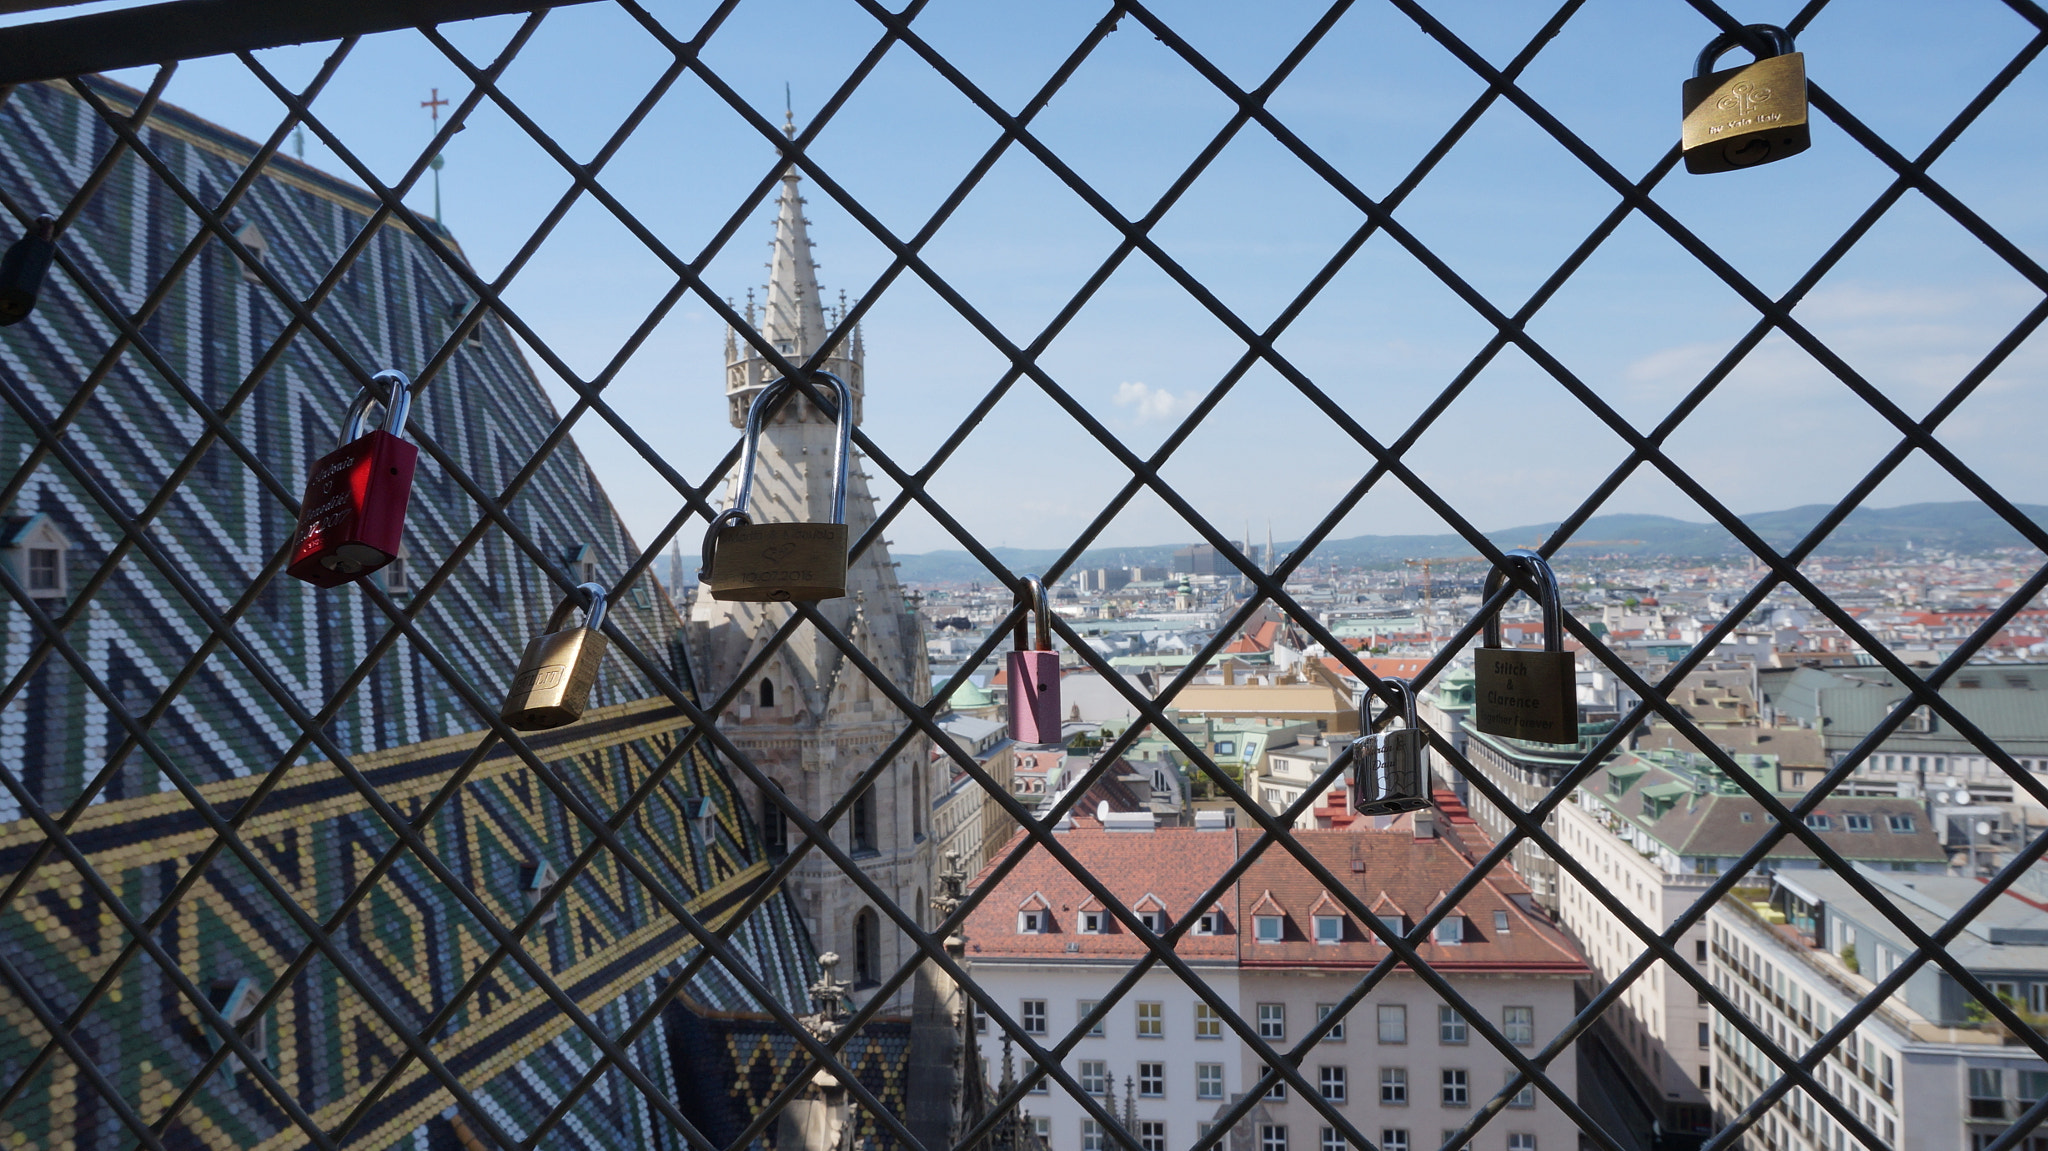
1912,308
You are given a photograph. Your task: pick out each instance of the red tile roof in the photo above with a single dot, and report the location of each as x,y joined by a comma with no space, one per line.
1175,865
1399,871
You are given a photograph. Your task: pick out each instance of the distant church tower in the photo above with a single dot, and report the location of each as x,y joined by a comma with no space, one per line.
810,719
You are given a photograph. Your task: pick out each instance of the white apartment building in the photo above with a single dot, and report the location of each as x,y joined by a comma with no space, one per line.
1279,951
1924,1070
1657,829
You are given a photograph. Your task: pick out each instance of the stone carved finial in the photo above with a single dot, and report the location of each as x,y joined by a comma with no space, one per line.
828,1000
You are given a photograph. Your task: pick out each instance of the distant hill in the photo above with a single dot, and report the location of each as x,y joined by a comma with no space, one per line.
1868,532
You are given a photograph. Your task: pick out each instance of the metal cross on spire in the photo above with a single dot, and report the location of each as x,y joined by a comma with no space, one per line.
433,105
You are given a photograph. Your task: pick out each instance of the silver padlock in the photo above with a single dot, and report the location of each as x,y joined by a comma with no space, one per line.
1387,777
552,686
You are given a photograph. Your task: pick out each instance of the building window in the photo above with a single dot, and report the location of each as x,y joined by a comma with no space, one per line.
1091,1135
44,569
1450,930
1278,1091
1034,1016
980,1020
1329,928
1987,1093
1393,1086
1333,1140
1521,1141
867,948
1152,1080
1856,822
1706,1077
1267,928
1518,1024
236,1002
1500,922
1330,1083
1393,1139
1151,1135
1336,1032
1041,1126
1091,923
1208,1024
774,828
1272,1137
1151,1021
1208,1080
1094,1077
1456,1089
1450,1026
1031,922
863,832
1393,1023
1272,1021
1819,822
1524,1098
767,692
1081,1011
1205,924
1903,824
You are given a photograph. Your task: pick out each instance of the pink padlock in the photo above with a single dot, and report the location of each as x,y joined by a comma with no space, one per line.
1035,675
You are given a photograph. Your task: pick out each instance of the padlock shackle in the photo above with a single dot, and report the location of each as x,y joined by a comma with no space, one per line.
1036,603
396,409
1537,570
1779,40
1403,690
593,615
757,414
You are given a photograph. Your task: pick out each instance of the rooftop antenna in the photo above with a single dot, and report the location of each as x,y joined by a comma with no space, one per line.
433,107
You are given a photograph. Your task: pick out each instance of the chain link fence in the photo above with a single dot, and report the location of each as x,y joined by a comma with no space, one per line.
655,837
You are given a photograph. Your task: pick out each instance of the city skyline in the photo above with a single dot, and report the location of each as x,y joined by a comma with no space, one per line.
1916,303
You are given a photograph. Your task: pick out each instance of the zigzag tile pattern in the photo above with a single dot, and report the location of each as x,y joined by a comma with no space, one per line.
611,945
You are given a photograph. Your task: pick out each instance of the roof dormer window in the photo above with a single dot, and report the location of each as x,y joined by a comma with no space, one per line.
1031,922
1267,928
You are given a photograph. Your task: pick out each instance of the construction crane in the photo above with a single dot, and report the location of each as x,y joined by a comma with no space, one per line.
1428,562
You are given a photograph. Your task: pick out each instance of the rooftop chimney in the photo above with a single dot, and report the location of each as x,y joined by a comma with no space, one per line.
1425,823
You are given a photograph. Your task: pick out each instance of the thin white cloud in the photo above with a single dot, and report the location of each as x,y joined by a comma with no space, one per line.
1148,403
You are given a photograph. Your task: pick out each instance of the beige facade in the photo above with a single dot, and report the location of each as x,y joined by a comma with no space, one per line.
810,719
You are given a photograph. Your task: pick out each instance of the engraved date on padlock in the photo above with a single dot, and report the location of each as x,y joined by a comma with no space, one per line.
778,562
1530,695
1742,117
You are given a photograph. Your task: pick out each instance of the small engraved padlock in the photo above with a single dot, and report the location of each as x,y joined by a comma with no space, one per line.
1742,117
1386,767
353,516
555,675
1034,674
1532,695
23,268
754,562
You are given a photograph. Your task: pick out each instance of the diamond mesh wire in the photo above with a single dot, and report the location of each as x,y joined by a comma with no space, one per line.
606,824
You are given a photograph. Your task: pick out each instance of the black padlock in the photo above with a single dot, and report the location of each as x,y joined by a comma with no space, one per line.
1386,767
1742,117
23,268
767,562
1532,695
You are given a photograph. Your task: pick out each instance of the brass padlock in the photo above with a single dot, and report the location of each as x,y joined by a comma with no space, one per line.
1386,766
1532,695
754,562
555,675
1742,117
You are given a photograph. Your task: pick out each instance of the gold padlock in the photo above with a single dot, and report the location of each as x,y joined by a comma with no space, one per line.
555,675
1742,117
1532,695
754,562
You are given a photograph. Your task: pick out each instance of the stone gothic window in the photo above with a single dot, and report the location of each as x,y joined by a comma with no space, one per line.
867,949
774,828
863,834
767,693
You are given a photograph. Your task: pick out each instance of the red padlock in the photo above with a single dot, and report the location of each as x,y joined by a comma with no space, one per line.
1035,676
354,512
